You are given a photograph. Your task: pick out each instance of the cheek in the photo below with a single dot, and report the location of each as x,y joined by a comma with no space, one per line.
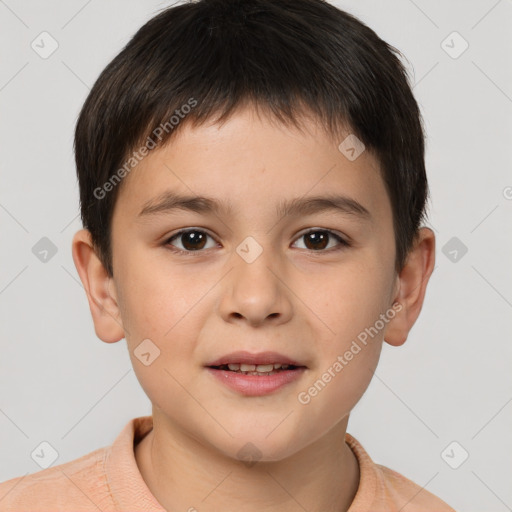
334,392
350,304
160,307
156,298
347,301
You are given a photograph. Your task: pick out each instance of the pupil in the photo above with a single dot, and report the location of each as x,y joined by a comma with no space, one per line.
194,239
317,237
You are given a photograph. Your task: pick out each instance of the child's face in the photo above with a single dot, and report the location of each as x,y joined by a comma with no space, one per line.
301,297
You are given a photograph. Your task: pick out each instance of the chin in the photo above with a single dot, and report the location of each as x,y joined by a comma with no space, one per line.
252,445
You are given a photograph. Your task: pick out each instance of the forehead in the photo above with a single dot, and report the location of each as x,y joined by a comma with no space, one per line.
252,159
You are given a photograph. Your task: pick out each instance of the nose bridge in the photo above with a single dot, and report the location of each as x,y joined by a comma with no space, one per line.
254,290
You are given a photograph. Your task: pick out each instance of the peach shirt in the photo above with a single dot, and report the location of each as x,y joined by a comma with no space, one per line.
108,479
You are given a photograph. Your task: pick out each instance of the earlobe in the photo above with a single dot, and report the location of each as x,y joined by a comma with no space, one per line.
413,282
96,282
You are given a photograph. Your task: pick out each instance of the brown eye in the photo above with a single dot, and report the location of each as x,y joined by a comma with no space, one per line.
316,240
319,239
191,240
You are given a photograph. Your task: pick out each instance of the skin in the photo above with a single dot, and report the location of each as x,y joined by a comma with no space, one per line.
307,304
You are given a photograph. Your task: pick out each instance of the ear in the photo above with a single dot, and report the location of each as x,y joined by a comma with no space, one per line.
412,284
96,281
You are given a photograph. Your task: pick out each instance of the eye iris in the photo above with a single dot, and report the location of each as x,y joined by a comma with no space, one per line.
194,239
317,237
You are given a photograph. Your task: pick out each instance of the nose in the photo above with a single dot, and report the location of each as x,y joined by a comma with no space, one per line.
257,292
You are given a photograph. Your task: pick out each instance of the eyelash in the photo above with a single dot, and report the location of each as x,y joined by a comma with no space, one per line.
343,243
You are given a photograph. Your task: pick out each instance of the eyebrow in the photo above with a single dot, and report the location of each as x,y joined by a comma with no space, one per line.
170,201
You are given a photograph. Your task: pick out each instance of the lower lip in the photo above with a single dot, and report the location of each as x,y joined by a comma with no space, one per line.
256,385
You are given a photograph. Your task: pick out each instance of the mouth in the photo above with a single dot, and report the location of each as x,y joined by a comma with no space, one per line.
256,374
262,363
256,369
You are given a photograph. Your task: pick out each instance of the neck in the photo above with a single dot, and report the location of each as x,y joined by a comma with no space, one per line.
184,474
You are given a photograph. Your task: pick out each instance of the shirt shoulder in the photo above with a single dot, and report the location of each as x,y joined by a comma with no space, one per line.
408,495
107,479
79,485
382,489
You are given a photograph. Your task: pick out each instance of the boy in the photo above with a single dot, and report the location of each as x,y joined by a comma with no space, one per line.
252,187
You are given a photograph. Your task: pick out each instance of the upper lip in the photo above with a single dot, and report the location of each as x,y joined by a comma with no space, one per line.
244,357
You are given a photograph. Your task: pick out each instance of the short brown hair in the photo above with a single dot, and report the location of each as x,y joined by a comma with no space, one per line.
287,56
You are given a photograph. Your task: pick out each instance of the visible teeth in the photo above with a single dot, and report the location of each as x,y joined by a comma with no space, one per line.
264,367
253,369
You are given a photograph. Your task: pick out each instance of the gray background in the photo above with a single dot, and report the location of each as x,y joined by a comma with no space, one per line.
449,382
